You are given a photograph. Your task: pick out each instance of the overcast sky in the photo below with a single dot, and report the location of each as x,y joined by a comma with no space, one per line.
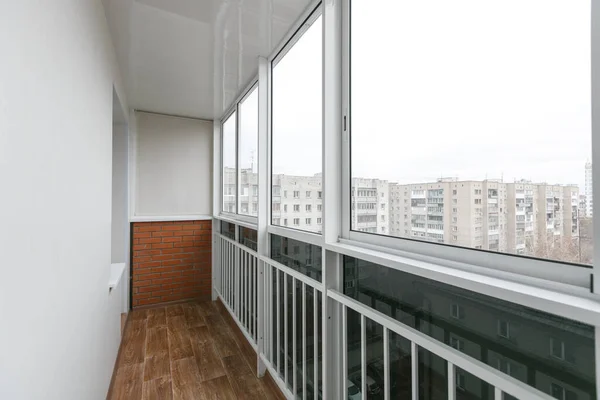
462,88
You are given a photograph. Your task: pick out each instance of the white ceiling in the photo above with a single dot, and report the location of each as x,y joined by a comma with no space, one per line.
193,57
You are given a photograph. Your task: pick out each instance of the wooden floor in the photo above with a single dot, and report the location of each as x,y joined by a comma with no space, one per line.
187,351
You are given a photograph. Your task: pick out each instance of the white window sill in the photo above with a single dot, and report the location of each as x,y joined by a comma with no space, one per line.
116,273
577,305
158,218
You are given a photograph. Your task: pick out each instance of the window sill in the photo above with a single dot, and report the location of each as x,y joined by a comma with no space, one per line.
116,273
158,218
563,300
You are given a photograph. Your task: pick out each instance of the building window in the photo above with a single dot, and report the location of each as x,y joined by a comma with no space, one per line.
557,348
559,392
308,208
296,111
308,221
285,208
229,164
296,207
504,366
285,194
296,221
319,207
276,221
285,223
457,311
460,380
319,221
308,194
319,194
503,329
457,343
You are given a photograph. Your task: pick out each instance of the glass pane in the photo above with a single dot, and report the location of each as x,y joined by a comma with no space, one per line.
229,164
400,367
480,137
433,376
353,354
228,230
470,387
248,237
303,257
248,139
531,346
296,123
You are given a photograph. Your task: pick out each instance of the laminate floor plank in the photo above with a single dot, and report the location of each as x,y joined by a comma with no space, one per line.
193,318
156,341
133,350
128,382
157,366
174,310
186,380
208,360
157,317
179,344
158,389
218,389
177,323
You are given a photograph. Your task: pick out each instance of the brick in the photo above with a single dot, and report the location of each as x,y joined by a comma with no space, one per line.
184,244
150,240
162,234
145,253
162,245
172,228
142,235
152,300
171,239
142,259
172,251
150,288
141,283
149,228
162,269
164,257
184,233
167,263
186,222
171,274
149,264
149,276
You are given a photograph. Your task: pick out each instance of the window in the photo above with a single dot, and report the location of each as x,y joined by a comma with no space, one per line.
296,122
285,194
383,206
460,380
302,257
285,208
504,366
319,221
308,194
229,164
457,311
248,237
319,207
285,223
308,221
248,144
557,348
503,329
457,343
228,230
308,208
473,89
296,221
296,207
559,392
320,194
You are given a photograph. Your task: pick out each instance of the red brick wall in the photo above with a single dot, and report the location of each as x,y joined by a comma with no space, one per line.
171,262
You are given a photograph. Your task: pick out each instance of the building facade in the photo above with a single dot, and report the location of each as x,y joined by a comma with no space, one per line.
589,193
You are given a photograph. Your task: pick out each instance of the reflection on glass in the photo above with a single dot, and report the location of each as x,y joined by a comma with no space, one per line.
248,237
303,257
458,104
433,378
296,124
228,230
248,143
400,367
229,164
469,387
529,345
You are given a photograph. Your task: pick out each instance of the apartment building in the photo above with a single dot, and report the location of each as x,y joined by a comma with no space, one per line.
589,192
490,214
370,206
297,202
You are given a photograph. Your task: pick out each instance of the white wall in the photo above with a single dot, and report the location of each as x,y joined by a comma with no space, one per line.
173,166
120,214
59,327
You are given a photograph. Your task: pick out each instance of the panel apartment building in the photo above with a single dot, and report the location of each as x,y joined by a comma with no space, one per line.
519,218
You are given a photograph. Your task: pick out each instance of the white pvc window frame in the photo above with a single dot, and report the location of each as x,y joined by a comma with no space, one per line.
566,277
250,221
